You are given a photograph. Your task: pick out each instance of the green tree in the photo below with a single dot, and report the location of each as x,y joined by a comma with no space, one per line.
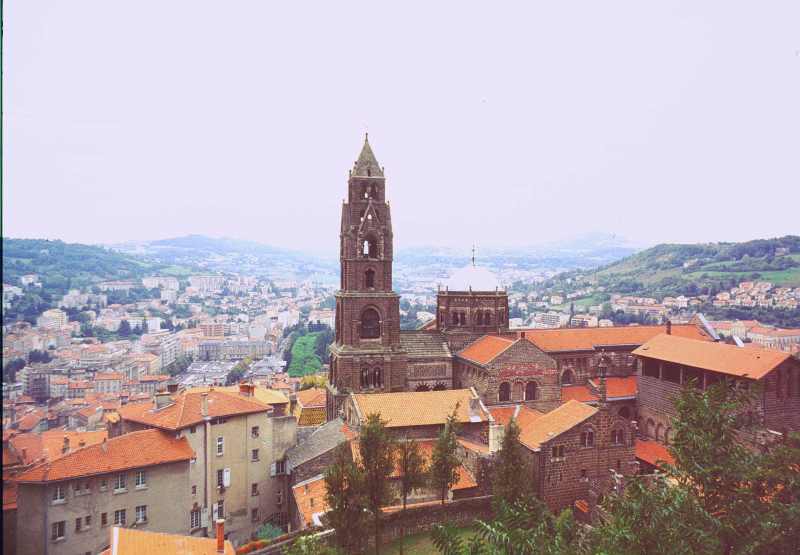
124,329
376,448
310,545
512,475
344,494
445,462
411,467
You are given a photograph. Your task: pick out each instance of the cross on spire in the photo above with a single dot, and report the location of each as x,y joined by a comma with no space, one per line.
473,255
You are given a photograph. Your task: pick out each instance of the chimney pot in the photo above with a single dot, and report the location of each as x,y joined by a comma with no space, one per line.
669,327
523,335
204,405
65,446
220,535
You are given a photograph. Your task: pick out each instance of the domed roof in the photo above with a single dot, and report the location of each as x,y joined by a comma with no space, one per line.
476,277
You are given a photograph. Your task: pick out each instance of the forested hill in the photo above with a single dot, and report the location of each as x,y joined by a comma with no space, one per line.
686,269
61,266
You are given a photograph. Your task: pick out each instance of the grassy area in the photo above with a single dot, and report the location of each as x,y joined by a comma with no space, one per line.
420,544
790,277
304,359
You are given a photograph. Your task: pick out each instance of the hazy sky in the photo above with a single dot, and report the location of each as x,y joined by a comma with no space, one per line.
500,123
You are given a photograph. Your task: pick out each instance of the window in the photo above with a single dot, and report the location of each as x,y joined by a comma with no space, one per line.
119,517
370,247
505,392
584,477
455,318
220,445
369,278
488,319
370,324
78,524
254,515
364,377
462,319
59,494
141,479
650,368
530,391
103,484
625,412
617,437
254,455
377,379
671,373
194,519
103,519
253,489
479,318
558,452
221,508
660,432
278,467
59,529
192,429
587,438
279,498
119,482
254,432
141,513
567,378
194,490
88,520
220,478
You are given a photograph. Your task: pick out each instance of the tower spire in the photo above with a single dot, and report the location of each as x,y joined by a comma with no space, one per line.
473,255
367,165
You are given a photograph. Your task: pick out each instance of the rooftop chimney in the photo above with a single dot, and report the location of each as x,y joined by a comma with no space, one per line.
204,405
669,327
65,445
523,335
172,388
220,535
246,389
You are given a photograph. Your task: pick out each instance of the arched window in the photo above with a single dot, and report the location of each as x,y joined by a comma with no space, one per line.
455,318
462,319
377,379
567,378
370,324
505,392
530,391
487,319
651,427
587,438
422,387
369,278
480,318
365,377
668,435
370,247
617,437
660,432
625,412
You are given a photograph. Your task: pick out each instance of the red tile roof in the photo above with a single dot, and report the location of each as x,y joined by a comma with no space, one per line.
185,410
503,414
485,349
309,497
134,450
653,452
716,357
585,339
617,387
33,447
580,393
420,408
313,397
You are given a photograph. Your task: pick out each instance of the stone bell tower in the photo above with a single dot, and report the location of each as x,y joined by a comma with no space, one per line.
366,355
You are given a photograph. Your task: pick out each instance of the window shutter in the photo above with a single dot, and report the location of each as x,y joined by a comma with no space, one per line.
226,477
214,512
273,469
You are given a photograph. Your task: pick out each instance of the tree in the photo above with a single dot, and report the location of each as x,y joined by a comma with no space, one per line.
344,485
445,462
376,448
310,545
11,368
316,380
124,329
411,467
512,477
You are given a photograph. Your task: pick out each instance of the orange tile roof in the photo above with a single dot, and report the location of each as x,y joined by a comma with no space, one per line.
485,349
503,414
48,444
473,446
313,397
585,339
133,450
716,357
652,452
617,387
418,408
108,376
185,410
309,497
156,378
554,423
580,393
128,541
31,420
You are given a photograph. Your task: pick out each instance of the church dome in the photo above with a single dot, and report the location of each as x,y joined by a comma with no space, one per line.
476,277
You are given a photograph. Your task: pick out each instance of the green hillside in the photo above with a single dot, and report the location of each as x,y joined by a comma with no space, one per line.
703,268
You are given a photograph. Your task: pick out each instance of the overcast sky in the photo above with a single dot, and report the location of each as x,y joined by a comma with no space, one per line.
503,124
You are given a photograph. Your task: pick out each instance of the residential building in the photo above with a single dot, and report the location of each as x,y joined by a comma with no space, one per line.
67,505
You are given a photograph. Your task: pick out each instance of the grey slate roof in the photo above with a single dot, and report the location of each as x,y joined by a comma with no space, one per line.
323,439
424,343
